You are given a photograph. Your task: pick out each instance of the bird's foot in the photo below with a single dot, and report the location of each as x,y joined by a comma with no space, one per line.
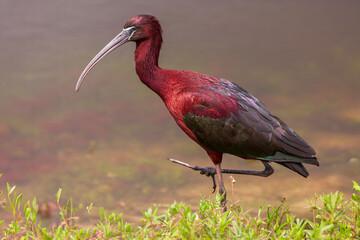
207,171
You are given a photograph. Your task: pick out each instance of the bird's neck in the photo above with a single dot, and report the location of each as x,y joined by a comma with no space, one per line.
146,64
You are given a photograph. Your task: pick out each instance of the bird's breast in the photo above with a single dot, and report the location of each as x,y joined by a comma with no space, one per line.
175,108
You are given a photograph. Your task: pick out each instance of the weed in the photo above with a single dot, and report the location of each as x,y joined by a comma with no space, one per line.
333,218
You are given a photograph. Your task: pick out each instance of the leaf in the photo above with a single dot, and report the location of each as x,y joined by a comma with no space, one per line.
89,208
18,200
127,227
10,190
58,194
355,197
356,186
35,206
173,211
101,213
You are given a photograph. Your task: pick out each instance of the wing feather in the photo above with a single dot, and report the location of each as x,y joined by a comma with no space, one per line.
226,118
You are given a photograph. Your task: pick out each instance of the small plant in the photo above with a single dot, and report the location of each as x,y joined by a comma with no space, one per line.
333,218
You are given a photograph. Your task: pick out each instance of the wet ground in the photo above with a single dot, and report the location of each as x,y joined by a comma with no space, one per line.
108,144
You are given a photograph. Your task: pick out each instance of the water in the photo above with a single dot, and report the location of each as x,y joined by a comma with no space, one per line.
108,144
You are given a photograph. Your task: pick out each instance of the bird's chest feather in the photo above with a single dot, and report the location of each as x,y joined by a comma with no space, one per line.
175,107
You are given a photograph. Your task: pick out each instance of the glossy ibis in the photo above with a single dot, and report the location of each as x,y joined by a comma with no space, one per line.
216,113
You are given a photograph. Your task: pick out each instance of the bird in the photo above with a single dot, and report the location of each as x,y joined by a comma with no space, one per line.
220,116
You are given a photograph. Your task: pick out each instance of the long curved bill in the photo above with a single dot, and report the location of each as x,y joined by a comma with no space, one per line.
119,40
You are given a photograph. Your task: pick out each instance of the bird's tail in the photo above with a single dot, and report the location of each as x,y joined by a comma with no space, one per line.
292,162
296,167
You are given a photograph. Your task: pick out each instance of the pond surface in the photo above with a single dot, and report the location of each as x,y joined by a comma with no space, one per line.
109,143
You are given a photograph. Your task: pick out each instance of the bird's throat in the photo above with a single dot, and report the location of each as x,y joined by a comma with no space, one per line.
147,56
146,64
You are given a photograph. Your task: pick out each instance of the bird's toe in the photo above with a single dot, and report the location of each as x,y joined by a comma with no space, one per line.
208,171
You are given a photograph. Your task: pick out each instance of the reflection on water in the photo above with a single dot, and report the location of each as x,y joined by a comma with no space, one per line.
109,143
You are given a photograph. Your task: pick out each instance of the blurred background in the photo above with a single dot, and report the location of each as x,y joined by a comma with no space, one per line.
109,143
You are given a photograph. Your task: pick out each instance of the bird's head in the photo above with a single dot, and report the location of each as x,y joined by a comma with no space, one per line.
136,29
143,26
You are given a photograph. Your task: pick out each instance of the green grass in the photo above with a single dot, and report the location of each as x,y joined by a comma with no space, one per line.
333,218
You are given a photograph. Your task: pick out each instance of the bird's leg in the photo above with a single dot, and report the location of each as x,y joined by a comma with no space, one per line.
222,190
210,171
264,173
